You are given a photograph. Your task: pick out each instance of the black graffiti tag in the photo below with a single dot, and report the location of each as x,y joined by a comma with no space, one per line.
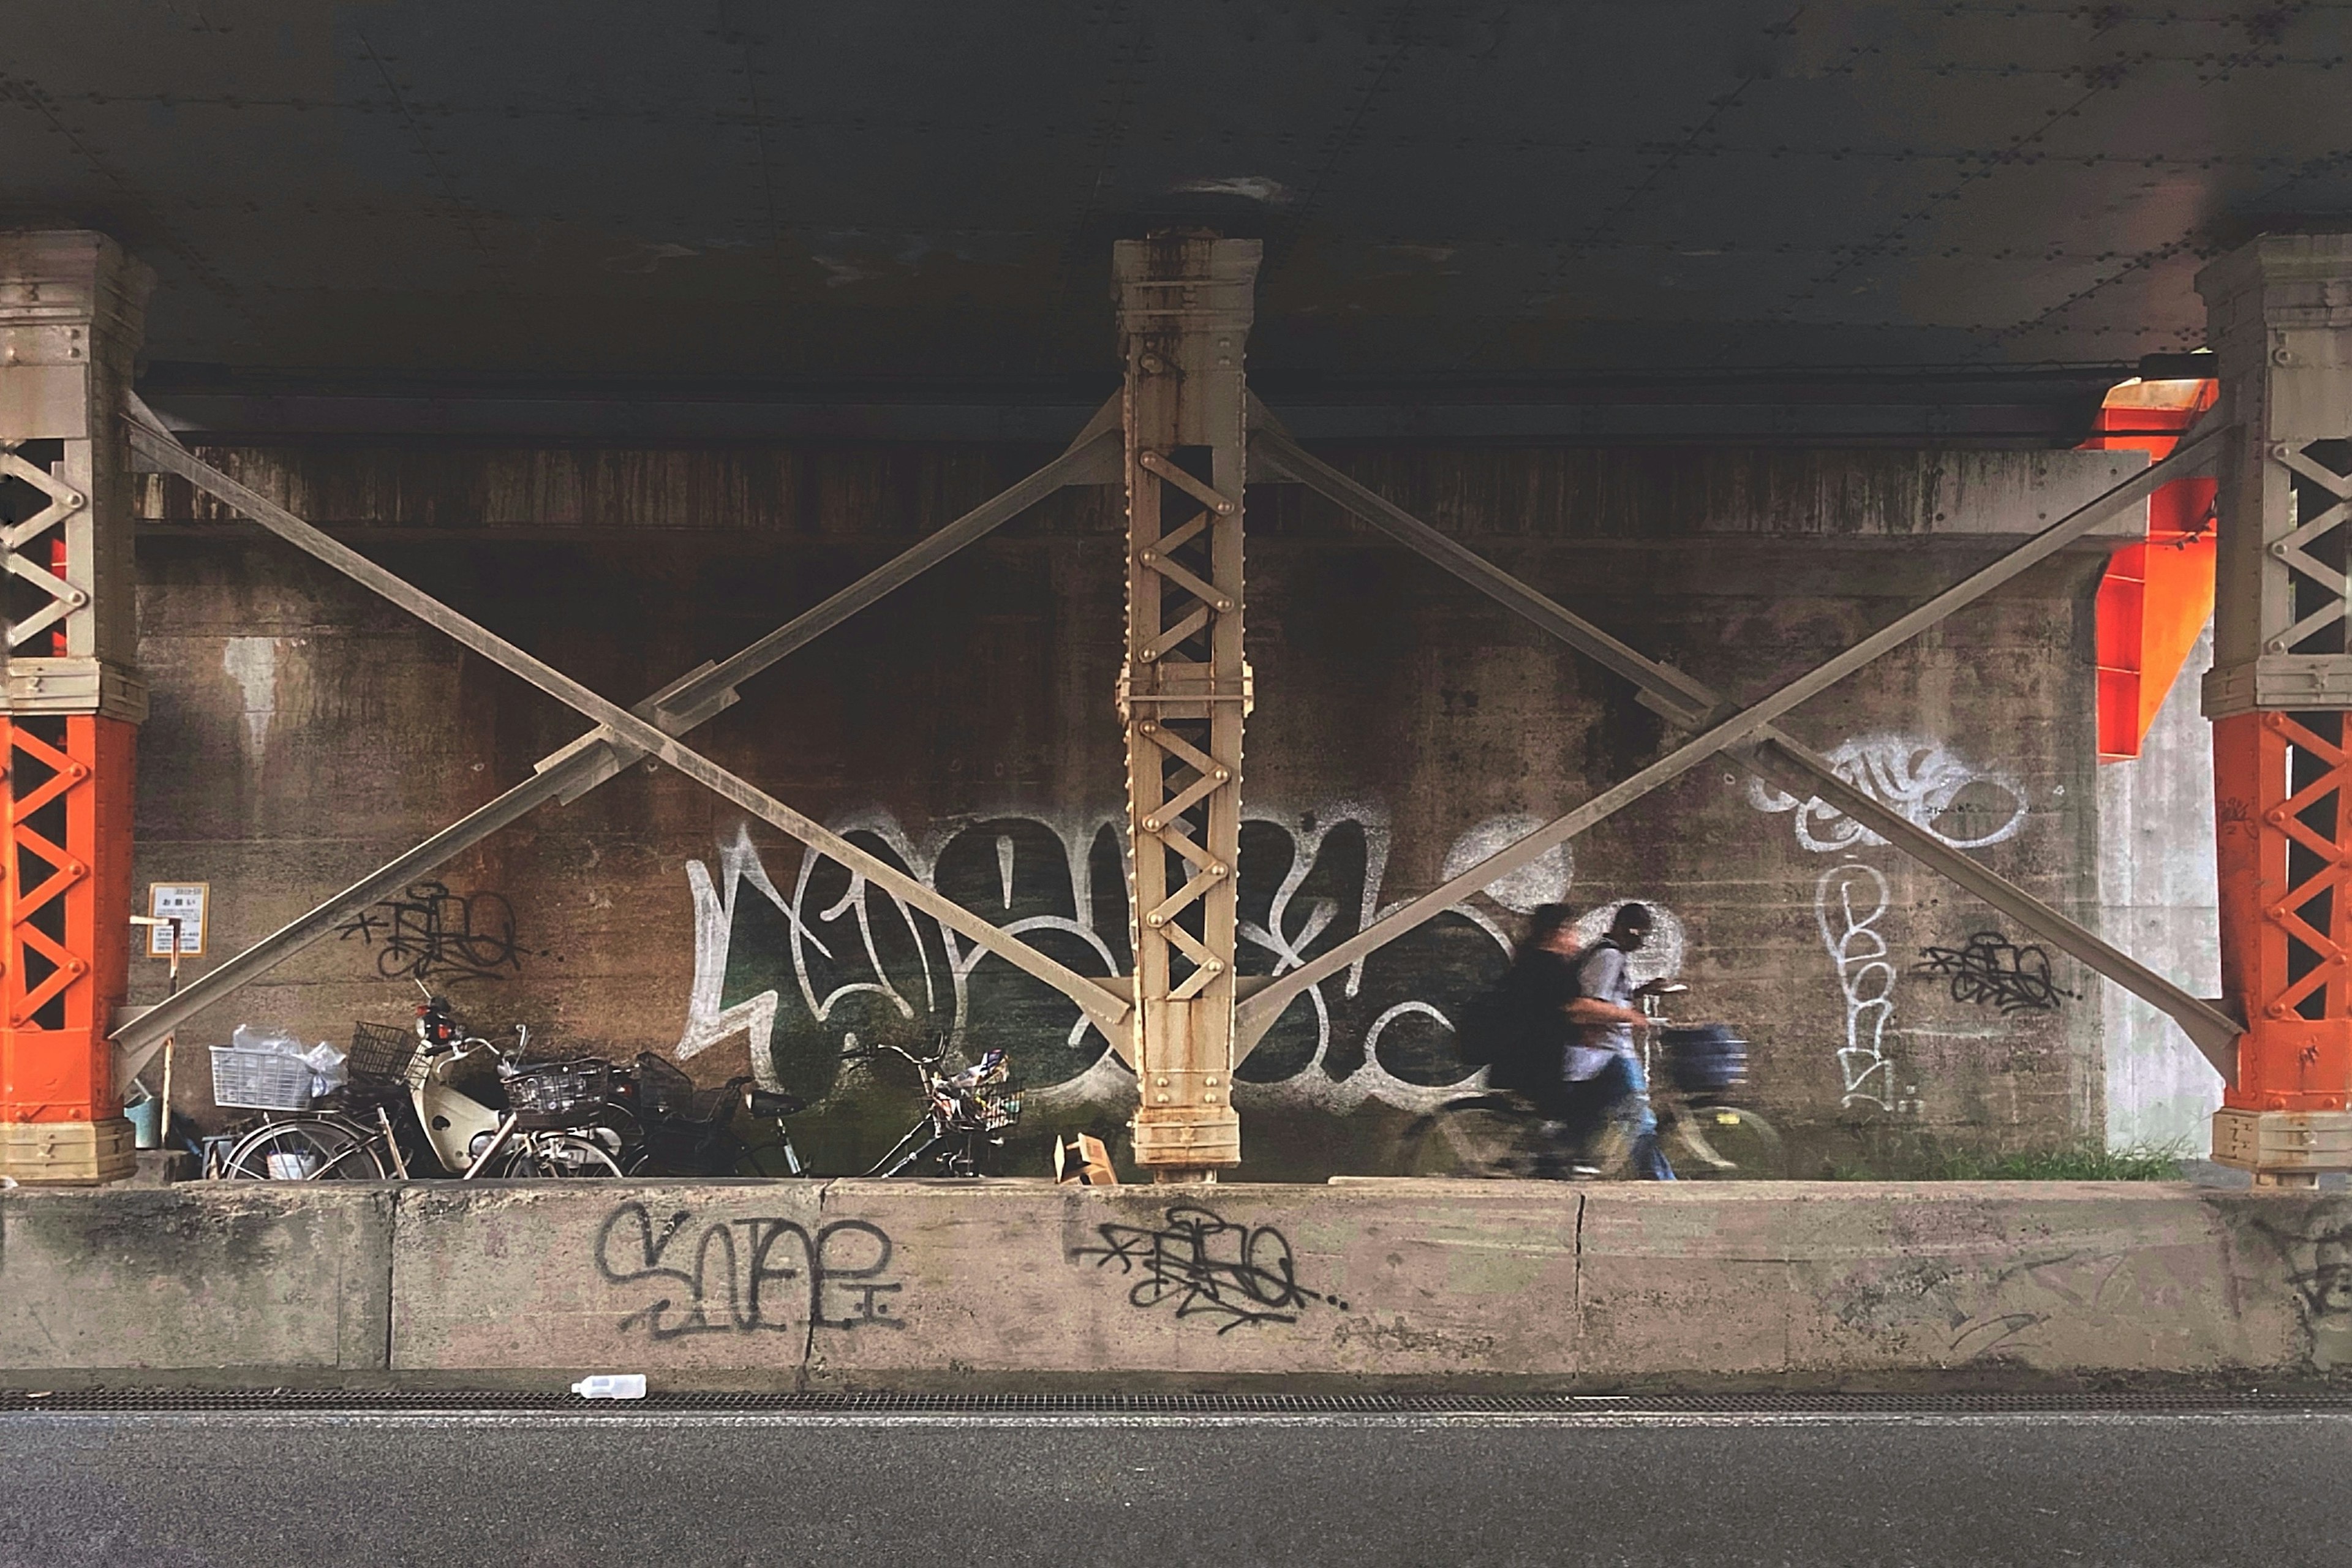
1209,1267
430,931
1990,970
724,1277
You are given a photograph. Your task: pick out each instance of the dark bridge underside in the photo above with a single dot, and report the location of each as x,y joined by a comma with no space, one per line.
908,203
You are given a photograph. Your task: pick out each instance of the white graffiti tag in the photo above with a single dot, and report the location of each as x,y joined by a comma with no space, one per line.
1920,778
1848,901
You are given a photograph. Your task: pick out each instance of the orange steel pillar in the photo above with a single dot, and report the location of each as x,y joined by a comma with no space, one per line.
71,307
2280,314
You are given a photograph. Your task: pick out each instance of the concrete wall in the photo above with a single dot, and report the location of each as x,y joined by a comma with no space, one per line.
2159,894
1012,1285
302,734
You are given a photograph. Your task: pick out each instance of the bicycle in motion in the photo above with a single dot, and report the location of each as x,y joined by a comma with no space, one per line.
1486,1133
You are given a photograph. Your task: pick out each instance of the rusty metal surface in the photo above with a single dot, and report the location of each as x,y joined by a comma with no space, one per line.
915,192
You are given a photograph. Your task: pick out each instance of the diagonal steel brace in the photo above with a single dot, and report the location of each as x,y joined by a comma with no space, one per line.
601,753
1749,736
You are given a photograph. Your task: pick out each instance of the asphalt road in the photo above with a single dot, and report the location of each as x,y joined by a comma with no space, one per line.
681,1489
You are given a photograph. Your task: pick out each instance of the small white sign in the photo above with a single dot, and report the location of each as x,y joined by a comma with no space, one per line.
185,902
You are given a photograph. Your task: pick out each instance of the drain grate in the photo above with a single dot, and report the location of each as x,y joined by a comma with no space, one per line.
364,1400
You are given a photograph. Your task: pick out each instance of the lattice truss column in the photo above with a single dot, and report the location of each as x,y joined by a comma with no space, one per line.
1184,306
71,307
2280,322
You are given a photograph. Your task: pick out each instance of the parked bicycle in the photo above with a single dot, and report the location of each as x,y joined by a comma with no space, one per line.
1706,1136
964,1112
405,1113
400,1112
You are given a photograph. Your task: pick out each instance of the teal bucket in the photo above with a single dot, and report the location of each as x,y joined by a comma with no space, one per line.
146,1124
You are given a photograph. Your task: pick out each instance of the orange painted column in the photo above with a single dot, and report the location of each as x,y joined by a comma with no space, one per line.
71,306
65,907
2280,314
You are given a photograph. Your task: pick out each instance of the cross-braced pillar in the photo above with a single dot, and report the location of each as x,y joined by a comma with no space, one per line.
2281,324
1184,305
71,307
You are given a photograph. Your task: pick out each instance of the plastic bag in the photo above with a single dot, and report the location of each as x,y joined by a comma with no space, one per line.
328,1071
278,1042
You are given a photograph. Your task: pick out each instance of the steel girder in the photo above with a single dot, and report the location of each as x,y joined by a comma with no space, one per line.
1750,734
622,736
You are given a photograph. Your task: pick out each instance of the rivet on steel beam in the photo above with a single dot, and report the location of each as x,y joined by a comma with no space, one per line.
1225,604
74,498
2281,451
1214,966
1163,1099
1221,774
2274,815
1150,825
1148,556
2279,550
2276,645
1161,1080
2274,721
1157,921
2281,356
1210,1079
75,966
1224,509
75,868
1149,726
1147,656
77,598
1217,870
1210,1099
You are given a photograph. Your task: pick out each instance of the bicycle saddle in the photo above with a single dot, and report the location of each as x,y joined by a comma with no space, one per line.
767,1103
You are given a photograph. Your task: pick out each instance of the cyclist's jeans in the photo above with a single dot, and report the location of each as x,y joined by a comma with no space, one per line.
1624,1089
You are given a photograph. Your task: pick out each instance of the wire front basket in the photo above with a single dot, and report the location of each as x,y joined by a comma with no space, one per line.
260,1080
1000,1104
665,1091
569,1093
380,1054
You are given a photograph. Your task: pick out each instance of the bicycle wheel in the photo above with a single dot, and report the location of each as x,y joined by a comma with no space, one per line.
1727,1143
303,1149
1477,1141
546,1155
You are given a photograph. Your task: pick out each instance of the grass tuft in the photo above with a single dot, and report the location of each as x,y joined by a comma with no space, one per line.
2076,1162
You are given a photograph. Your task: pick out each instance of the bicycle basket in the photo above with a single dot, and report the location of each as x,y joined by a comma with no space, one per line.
260,1080
999,1105
380,1053
569,1093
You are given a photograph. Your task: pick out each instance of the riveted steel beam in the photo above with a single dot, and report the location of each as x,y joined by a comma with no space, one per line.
1749,733
601,754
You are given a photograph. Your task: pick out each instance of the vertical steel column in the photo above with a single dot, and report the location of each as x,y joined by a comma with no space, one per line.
71,308
2279,315
1184,306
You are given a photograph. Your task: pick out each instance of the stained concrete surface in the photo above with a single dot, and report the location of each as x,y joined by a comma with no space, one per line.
303,733
552,1491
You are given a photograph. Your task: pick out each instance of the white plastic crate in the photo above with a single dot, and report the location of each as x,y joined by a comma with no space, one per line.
260,1080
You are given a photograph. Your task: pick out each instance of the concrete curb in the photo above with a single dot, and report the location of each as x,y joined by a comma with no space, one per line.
1008,1285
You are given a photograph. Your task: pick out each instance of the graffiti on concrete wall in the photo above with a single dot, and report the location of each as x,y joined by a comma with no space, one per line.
1233,1275
1961,803
1987,970
1849,901
1965,806
803,969
743,1276
430,933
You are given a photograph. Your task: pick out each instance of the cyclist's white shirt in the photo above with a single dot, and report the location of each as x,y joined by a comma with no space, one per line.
1600,974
